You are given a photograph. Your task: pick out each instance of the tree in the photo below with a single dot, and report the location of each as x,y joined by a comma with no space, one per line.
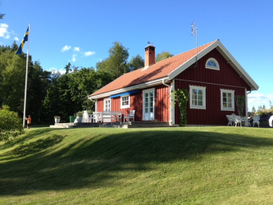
2,16
10,124
162,56
13,80
136,63
116,64
240,102
38,83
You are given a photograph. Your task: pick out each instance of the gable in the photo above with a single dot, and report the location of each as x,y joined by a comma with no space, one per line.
226,75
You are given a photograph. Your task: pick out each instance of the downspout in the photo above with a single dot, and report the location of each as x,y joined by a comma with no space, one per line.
246,99
96,103
171,100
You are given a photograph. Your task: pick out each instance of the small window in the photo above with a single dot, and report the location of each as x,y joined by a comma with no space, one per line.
197,97
125,101
107,104
212,64
227,100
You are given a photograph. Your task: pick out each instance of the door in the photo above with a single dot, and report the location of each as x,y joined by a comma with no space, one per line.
148,104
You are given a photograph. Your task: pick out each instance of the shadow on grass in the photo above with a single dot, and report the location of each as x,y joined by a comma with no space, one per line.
98,161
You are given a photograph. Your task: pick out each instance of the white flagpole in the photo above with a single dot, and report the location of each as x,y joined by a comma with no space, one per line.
25,98
196,44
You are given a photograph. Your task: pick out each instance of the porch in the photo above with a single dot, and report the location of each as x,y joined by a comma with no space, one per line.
126,125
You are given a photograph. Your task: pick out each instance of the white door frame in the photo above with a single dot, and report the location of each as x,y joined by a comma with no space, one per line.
151,114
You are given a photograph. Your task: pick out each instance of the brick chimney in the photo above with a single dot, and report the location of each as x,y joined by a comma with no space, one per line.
149,55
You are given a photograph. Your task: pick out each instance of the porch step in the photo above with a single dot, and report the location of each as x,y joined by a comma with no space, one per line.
62,125
146,124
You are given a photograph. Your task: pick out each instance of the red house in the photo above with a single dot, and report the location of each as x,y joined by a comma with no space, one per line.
210,73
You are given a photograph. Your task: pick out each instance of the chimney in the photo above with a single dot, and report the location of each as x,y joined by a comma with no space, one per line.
149,55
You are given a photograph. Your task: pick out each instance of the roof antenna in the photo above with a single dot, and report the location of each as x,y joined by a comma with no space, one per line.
194,32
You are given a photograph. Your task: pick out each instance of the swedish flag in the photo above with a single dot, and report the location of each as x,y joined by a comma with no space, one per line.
19,51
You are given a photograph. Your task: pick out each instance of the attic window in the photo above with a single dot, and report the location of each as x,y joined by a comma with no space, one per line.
213,64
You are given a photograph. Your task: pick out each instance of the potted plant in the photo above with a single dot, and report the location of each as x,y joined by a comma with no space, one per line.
79,116
57,119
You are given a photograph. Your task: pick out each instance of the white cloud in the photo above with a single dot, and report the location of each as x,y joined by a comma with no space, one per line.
55,71
74,58
77,49
66,48
4,31
89,53
16,39
258,99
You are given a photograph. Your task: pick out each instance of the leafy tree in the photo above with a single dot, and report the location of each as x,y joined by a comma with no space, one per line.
38,83
13,80
162,56
116,64
136,63
240,102
68,68
10,124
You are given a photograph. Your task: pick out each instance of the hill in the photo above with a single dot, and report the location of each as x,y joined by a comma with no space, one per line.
190,165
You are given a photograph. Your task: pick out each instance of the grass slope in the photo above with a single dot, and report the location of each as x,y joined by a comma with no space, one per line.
192,165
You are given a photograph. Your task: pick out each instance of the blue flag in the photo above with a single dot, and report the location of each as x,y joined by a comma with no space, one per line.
19,51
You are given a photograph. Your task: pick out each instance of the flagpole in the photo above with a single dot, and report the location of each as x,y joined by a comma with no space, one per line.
25,98
196,45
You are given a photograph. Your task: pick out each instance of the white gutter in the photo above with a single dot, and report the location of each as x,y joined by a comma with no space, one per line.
171,104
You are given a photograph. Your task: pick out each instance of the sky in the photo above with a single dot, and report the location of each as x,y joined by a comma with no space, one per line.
83,31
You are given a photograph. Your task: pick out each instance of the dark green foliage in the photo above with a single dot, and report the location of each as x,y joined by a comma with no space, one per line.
181,97
10,124
240,102
116,64
162,56
136,63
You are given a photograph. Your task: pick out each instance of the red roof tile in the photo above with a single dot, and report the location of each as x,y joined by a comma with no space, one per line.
156,71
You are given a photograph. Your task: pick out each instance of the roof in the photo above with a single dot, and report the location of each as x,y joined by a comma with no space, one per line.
167,70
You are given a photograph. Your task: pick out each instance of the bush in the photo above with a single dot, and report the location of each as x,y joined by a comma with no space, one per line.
10,124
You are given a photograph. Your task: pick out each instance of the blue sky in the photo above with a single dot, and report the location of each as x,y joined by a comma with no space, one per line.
83,31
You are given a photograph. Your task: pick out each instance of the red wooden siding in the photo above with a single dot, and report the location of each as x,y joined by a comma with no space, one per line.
161,104
162,107
225,76
214,81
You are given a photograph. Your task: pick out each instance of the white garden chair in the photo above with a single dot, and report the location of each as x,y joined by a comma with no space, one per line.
256,119
246,122
131,115
230,120
238,120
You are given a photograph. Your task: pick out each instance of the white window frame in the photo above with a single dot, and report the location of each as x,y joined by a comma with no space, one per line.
121,100
203,89
105,102
212,67
232,108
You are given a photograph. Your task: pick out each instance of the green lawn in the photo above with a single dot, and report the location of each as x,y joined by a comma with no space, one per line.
191,165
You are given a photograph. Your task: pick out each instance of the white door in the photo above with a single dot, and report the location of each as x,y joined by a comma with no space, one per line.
148,104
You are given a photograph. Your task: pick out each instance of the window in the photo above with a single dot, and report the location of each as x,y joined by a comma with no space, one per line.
107,104
197,97
212,64
125,101
227,100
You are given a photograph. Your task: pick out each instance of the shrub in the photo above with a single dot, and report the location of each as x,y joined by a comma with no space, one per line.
10,124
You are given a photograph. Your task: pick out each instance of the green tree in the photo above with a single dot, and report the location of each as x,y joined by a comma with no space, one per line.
10,124
116,64
136,63
13,80
162,56
38,83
